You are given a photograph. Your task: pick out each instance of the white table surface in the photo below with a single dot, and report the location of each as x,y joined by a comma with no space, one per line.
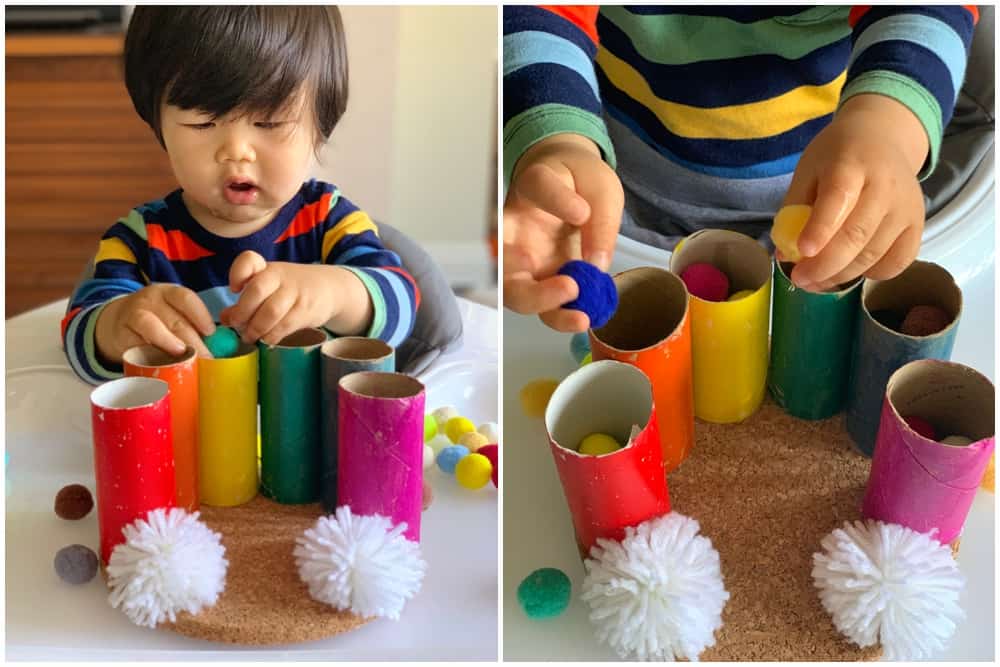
48,437
538,530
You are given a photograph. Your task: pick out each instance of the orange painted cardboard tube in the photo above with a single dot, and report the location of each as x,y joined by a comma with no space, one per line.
651,330
608,493
181,375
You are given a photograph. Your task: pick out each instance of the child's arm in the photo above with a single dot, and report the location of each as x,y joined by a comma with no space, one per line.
861,172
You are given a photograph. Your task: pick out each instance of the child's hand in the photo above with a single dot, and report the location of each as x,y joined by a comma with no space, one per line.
859,174
171,317
279,298
564,203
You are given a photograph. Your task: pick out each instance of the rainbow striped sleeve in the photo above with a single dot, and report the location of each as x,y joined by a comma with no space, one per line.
118,272
350,239
549,82
915,55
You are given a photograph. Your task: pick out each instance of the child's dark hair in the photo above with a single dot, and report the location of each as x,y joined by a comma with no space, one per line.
221,58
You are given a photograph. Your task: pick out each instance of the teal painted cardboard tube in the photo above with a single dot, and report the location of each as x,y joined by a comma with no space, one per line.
290,431
812,335
341,357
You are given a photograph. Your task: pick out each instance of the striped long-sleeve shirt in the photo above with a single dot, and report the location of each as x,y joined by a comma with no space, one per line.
704,111
160,242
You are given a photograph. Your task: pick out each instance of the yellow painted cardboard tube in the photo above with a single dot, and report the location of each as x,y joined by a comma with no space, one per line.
729,339
227,392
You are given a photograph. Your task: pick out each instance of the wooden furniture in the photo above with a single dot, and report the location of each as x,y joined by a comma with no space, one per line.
78,158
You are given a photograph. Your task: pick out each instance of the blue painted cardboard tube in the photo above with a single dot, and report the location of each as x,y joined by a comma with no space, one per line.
880,350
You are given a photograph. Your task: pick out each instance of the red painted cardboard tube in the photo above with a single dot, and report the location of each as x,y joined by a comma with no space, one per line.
607,493
133,454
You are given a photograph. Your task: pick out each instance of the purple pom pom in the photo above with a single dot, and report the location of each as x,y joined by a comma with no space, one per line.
598,297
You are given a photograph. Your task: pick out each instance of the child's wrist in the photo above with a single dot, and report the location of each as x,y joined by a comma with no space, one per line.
893,122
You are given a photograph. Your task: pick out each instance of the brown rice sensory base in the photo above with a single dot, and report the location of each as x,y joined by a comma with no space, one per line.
264,601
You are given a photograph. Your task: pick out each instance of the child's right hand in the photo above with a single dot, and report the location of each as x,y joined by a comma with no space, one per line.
564,203
171,317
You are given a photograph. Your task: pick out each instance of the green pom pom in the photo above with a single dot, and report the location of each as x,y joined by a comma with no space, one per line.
544,593
223,343
430,427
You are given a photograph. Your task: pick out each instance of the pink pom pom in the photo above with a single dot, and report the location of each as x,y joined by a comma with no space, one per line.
921,426
490,452
706,282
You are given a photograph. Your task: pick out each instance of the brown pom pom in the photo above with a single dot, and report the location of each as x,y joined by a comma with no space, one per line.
924,321
74,502
76,564
428,495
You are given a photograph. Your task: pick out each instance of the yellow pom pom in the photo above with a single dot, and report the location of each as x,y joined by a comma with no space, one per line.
535,396
473,440
739,295
587,359
596,444
473,471
788,224
989,474
457,426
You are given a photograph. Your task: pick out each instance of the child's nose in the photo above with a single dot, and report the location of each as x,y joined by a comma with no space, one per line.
236,146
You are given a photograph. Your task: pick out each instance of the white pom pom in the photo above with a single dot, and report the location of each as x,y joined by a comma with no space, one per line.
361,563
657,594
170,562
490,430
884,582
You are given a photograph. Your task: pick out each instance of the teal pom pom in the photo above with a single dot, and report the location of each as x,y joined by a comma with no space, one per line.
223,343
544,593
449,457
579,346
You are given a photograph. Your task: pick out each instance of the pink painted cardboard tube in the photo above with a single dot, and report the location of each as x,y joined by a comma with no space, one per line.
381,447
920,483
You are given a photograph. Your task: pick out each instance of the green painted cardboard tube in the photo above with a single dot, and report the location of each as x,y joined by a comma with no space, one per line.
812,335
290,427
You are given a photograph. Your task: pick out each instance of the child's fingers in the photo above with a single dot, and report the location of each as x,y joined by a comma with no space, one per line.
523,294
150,328
900,255
255,292
851,239
541,186
245,266
883,239
187,333
270,313
566,320
191,308
289,324
837,193
607,201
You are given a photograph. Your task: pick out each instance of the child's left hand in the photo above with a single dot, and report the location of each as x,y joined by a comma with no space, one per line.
279,298
859,175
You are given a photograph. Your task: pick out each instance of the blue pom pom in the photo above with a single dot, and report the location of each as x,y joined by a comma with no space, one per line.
579,346
598,297
449,457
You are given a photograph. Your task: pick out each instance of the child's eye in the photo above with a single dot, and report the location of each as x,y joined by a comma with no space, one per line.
200,126
269,124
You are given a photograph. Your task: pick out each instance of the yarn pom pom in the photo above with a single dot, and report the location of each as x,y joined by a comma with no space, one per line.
544,593
921,426
223,343
887,583
657,594
170,562
360,563
924,321
706,282
597,298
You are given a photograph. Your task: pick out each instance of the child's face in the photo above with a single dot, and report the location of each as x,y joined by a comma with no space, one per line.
237,171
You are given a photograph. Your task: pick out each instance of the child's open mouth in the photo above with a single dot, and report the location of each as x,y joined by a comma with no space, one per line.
241,192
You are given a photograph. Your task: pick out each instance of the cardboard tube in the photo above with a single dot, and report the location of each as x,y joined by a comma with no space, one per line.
812,334
729,338
227,417
133,454
880,351
181,376
607,493
651,330
381,450
290,431
920,483
340,357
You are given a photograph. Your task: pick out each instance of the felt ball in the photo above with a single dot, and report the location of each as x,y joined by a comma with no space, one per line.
889,318
76,564
957,440
73,502
427,497
473,471
788,225
535,396
429,457
706,282
443,414
597,297
586,360
430,427
492,452
921,426
989,475
491,430
743,293
544,593
924,321
223,343
579,346
457,427
597,444
450,456
439,442
473,440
